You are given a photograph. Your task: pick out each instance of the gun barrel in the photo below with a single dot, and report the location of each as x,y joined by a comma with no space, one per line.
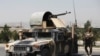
60,14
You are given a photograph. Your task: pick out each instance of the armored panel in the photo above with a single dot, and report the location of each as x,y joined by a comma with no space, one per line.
58,23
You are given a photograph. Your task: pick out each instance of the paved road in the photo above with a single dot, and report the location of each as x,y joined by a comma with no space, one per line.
96,51
80,42
2,51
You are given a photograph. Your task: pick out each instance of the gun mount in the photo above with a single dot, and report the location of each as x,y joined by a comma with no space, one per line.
46,19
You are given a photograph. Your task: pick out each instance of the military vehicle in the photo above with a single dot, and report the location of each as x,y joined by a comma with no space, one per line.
49,37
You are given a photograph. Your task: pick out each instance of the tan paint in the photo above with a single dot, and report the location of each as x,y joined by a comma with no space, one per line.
73,31
58,23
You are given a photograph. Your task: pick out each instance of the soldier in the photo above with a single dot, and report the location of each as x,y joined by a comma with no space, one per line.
88,40
21,35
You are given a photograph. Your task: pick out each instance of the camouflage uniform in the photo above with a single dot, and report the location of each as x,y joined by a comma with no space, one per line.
88,40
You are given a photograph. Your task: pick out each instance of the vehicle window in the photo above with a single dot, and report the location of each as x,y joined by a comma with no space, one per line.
28,34
44,35
61,36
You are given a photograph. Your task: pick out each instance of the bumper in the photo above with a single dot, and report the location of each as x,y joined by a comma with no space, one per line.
22,53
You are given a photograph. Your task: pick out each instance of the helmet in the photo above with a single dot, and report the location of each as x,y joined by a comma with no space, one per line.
20,30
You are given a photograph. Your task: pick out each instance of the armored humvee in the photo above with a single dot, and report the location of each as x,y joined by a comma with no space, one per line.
49,37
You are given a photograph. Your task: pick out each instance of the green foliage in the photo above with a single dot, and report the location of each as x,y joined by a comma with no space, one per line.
80,33
87,24
96,32
5,34
15,35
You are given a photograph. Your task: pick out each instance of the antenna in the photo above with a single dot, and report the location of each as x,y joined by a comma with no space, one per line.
20,24
74,13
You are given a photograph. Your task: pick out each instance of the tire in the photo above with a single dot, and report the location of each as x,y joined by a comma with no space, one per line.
9,54
45,52
66,49
69,53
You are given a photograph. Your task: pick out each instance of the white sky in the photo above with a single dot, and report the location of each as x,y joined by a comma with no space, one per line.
21,10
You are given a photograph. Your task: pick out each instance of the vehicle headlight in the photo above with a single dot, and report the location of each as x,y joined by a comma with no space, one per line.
36,46
28,49
11,47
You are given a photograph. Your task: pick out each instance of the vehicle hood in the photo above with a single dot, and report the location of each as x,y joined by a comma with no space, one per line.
27,41
42,41
31,41
13,43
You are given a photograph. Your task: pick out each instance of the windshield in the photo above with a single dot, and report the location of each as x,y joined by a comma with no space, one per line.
44,34
37,34
28,34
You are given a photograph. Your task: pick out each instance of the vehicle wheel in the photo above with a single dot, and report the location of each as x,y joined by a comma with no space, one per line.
66,49
45,52
34,54
8,54
68,53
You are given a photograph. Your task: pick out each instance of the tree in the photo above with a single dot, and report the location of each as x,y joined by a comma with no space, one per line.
6,33
86,25
15,35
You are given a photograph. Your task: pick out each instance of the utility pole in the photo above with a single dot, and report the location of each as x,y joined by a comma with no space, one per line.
74,32
20,24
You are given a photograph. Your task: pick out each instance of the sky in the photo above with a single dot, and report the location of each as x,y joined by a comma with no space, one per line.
16,11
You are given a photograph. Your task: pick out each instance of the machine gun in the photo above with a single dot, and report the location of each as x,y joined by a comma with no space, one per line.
55,16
